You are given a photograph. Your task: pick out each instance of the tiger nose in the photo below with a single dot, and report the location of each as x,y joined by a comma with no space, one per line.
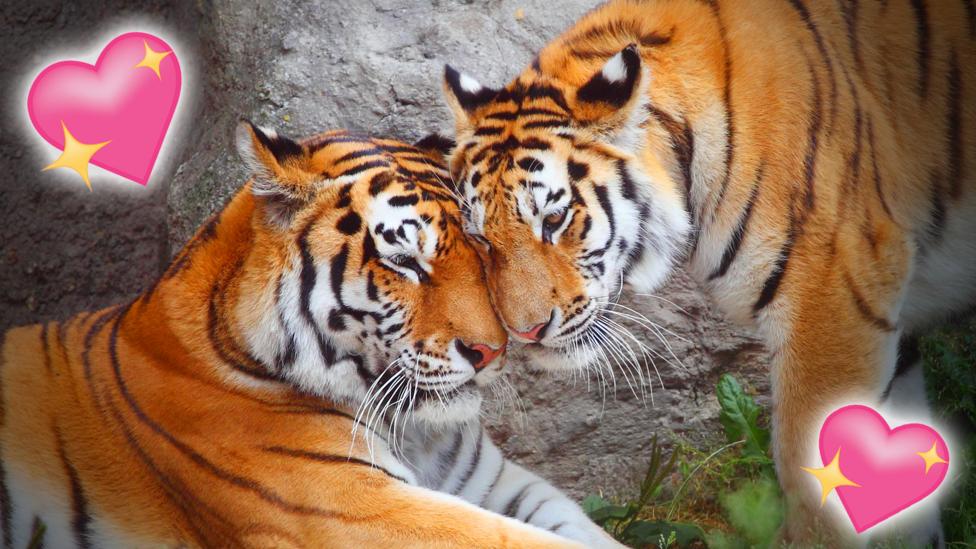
479,354
535,333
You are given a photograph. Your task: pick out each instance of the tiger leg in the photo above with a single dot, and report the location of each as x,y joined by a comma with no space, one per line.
477,472
829,357
401,515
905,397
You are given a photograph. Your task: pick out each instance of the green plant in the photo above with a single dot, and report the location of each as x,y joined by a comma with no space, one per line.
623,521
712,476
37,537
950,373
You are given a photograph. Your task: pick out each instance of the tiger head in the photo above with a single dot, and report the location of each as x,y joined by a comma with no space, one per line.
565,197
374,292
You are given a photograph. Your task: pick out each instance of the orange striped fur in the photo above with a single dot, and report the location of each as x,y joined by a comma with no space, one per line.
811,161
197,416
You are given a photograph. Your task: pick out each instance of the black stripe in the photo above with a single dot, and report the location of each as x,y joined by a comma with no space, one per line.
555,527
544,124
683,145
96,327
729,117
449,459
359,154
498,475
813,140
850,10
970,16
349,224
604,200
956,159
543,501
248,484
937,219
359,168
876,171
379,182
818,39
864,309
337,272
512,507
328,458
472,464
774,279
909,355
188,503
308,277
79,503
539,91
923,47
403,200
484,131
221,336
732,249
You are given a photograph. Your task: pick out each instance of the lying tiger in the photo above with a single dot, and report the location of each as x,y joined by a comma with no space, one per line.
216,409
812,161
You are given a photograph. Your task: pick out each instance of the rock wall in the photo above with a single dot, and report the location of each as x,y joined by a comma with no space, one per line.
376,66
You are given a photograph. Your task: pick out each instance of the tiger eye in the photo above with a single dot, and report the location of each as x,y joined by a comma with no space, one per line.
555,219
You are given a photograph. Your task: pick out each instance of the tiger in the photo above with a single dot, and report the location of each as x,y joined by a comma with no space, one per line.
305,373
809,163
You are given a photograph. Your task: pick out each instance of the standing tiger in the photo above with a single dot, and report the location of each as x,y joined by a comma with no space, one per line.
216,409
812,162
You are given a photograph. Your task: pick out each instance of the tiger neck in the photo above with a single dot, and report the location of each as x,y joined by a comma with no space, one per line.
221,283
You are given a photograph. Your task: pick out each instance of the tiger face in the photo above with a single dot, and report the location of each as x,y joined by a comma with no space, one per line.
562,208
378,294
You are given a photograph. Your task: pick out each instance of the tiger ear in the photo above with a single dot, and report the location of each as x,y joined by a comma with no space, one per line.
465,95
279,168
608,101
437,144
617,81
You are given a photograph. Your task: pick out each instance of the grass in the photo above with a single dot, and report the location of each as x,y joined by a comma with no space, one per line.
727,496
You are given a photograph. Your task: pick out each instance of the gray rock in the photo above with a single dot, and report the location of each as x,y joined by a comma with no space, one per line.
376,66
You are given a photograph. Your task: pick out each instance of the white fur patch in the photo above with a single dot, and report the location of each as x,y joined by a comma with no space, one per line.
615,70
469,84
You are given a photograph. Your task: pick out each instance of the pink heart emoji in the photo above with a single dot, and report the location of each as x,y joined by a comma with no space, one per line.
892,468
127,99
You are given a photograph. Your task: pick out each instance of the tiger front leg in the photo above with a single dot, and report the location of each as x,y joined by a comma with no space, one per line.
466,463
839,346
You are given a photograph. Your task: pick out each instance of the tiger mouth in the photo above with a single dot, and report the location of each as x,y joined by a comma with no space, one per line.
449,392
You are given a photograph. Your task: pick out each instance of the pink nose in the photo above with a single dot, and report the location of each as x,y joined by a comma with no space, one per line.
487,354
533,334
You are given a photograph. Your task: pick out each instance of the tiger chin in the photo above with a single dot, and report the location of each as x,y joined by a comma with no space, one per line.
334,294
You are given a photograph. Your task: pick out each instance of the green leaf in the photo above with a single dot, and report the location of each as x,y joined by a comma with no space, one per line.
740,417
755,510
650,532
611,512
717,539
593,502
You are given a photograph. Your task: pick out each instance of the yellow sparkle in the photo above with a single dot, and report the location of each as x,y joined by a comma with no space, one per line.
831,477
931,457
76,155
152,59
